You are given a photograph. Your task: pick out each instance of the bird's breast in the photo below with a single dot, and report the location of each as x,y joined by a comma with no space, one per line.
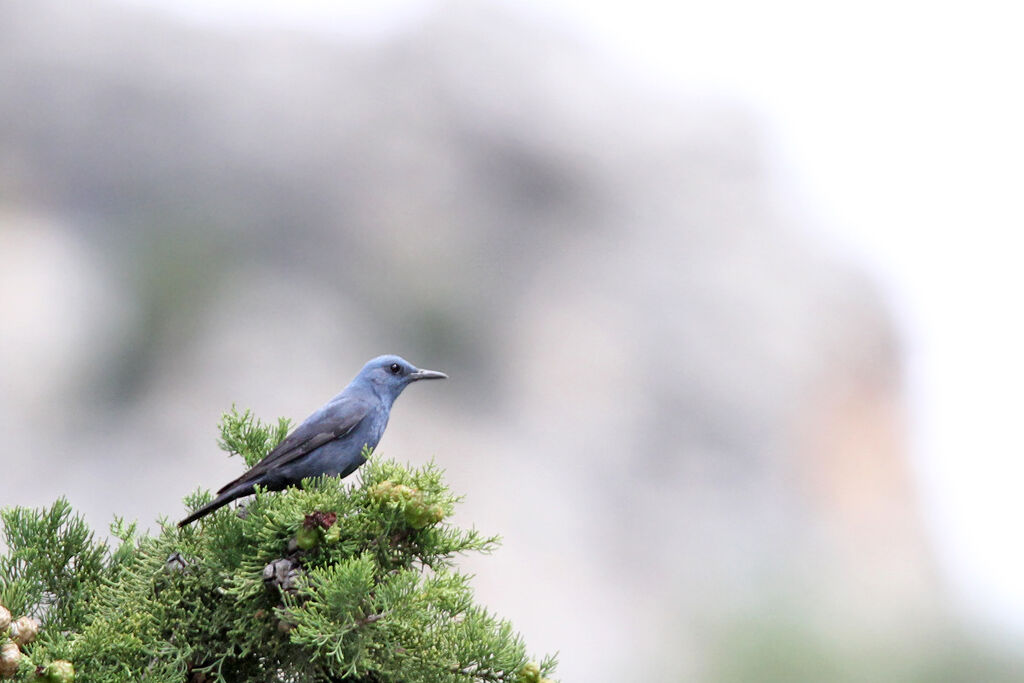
378,423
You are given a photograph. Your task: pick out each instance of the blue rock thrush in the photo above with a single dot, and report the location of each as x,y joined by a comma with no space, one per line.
332,439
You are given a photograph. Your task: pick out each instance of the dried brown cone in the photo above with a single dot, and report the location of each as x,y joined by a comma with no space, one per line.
24,630
10,658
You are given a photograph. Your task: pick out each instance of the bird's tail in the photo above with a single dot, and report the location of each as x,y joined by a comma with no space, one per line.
218,502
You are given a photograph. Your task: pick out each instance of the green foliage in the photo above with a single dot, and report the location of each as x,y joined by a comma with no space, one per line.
242,434
324,582
52,563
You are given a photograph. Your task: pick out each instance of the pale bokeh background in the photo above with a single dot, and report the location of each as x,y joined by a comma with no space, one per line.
727,294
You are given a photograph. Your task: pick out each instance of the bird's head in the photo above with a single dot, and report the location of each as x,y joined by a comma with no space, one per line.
390,374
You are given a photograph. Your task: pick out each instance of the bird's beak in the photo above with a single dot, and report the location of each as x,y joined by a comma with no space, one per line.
427,374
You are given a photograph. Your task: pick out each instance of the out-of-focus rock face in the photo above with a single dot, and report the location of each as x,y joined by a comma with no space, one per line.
666,395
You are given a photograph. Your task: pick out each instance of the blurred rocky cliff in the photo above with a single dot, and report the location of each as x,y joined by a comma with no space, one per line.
682,411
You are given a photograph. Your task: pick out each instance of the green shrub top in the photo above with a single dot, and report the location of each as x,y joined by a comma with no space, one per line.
324,582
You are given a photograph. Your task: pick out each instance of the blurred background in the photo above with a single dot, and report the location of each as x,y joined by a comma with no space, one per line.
728,292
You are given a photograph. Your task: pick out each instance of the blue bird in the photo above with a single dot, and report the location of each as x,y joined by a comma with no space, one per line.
331,440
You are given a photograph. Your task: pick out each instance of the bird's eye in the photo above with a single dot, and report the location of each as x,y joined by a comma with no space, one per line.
396,369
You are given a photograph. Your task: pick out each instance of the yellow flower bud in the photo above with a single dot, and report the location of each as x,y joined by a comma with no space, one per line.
436,513
530,673
60,671
307,538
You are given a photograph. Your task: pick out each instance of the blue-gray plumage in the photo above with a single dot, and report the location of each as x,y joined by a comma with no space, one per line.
331,440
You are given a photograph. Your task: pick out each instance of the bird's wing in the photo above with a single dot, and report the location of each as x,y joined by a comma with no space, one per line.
338,420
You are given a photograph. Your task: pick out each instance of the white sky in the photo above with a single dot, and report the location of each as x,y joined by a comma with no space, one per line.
903,122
